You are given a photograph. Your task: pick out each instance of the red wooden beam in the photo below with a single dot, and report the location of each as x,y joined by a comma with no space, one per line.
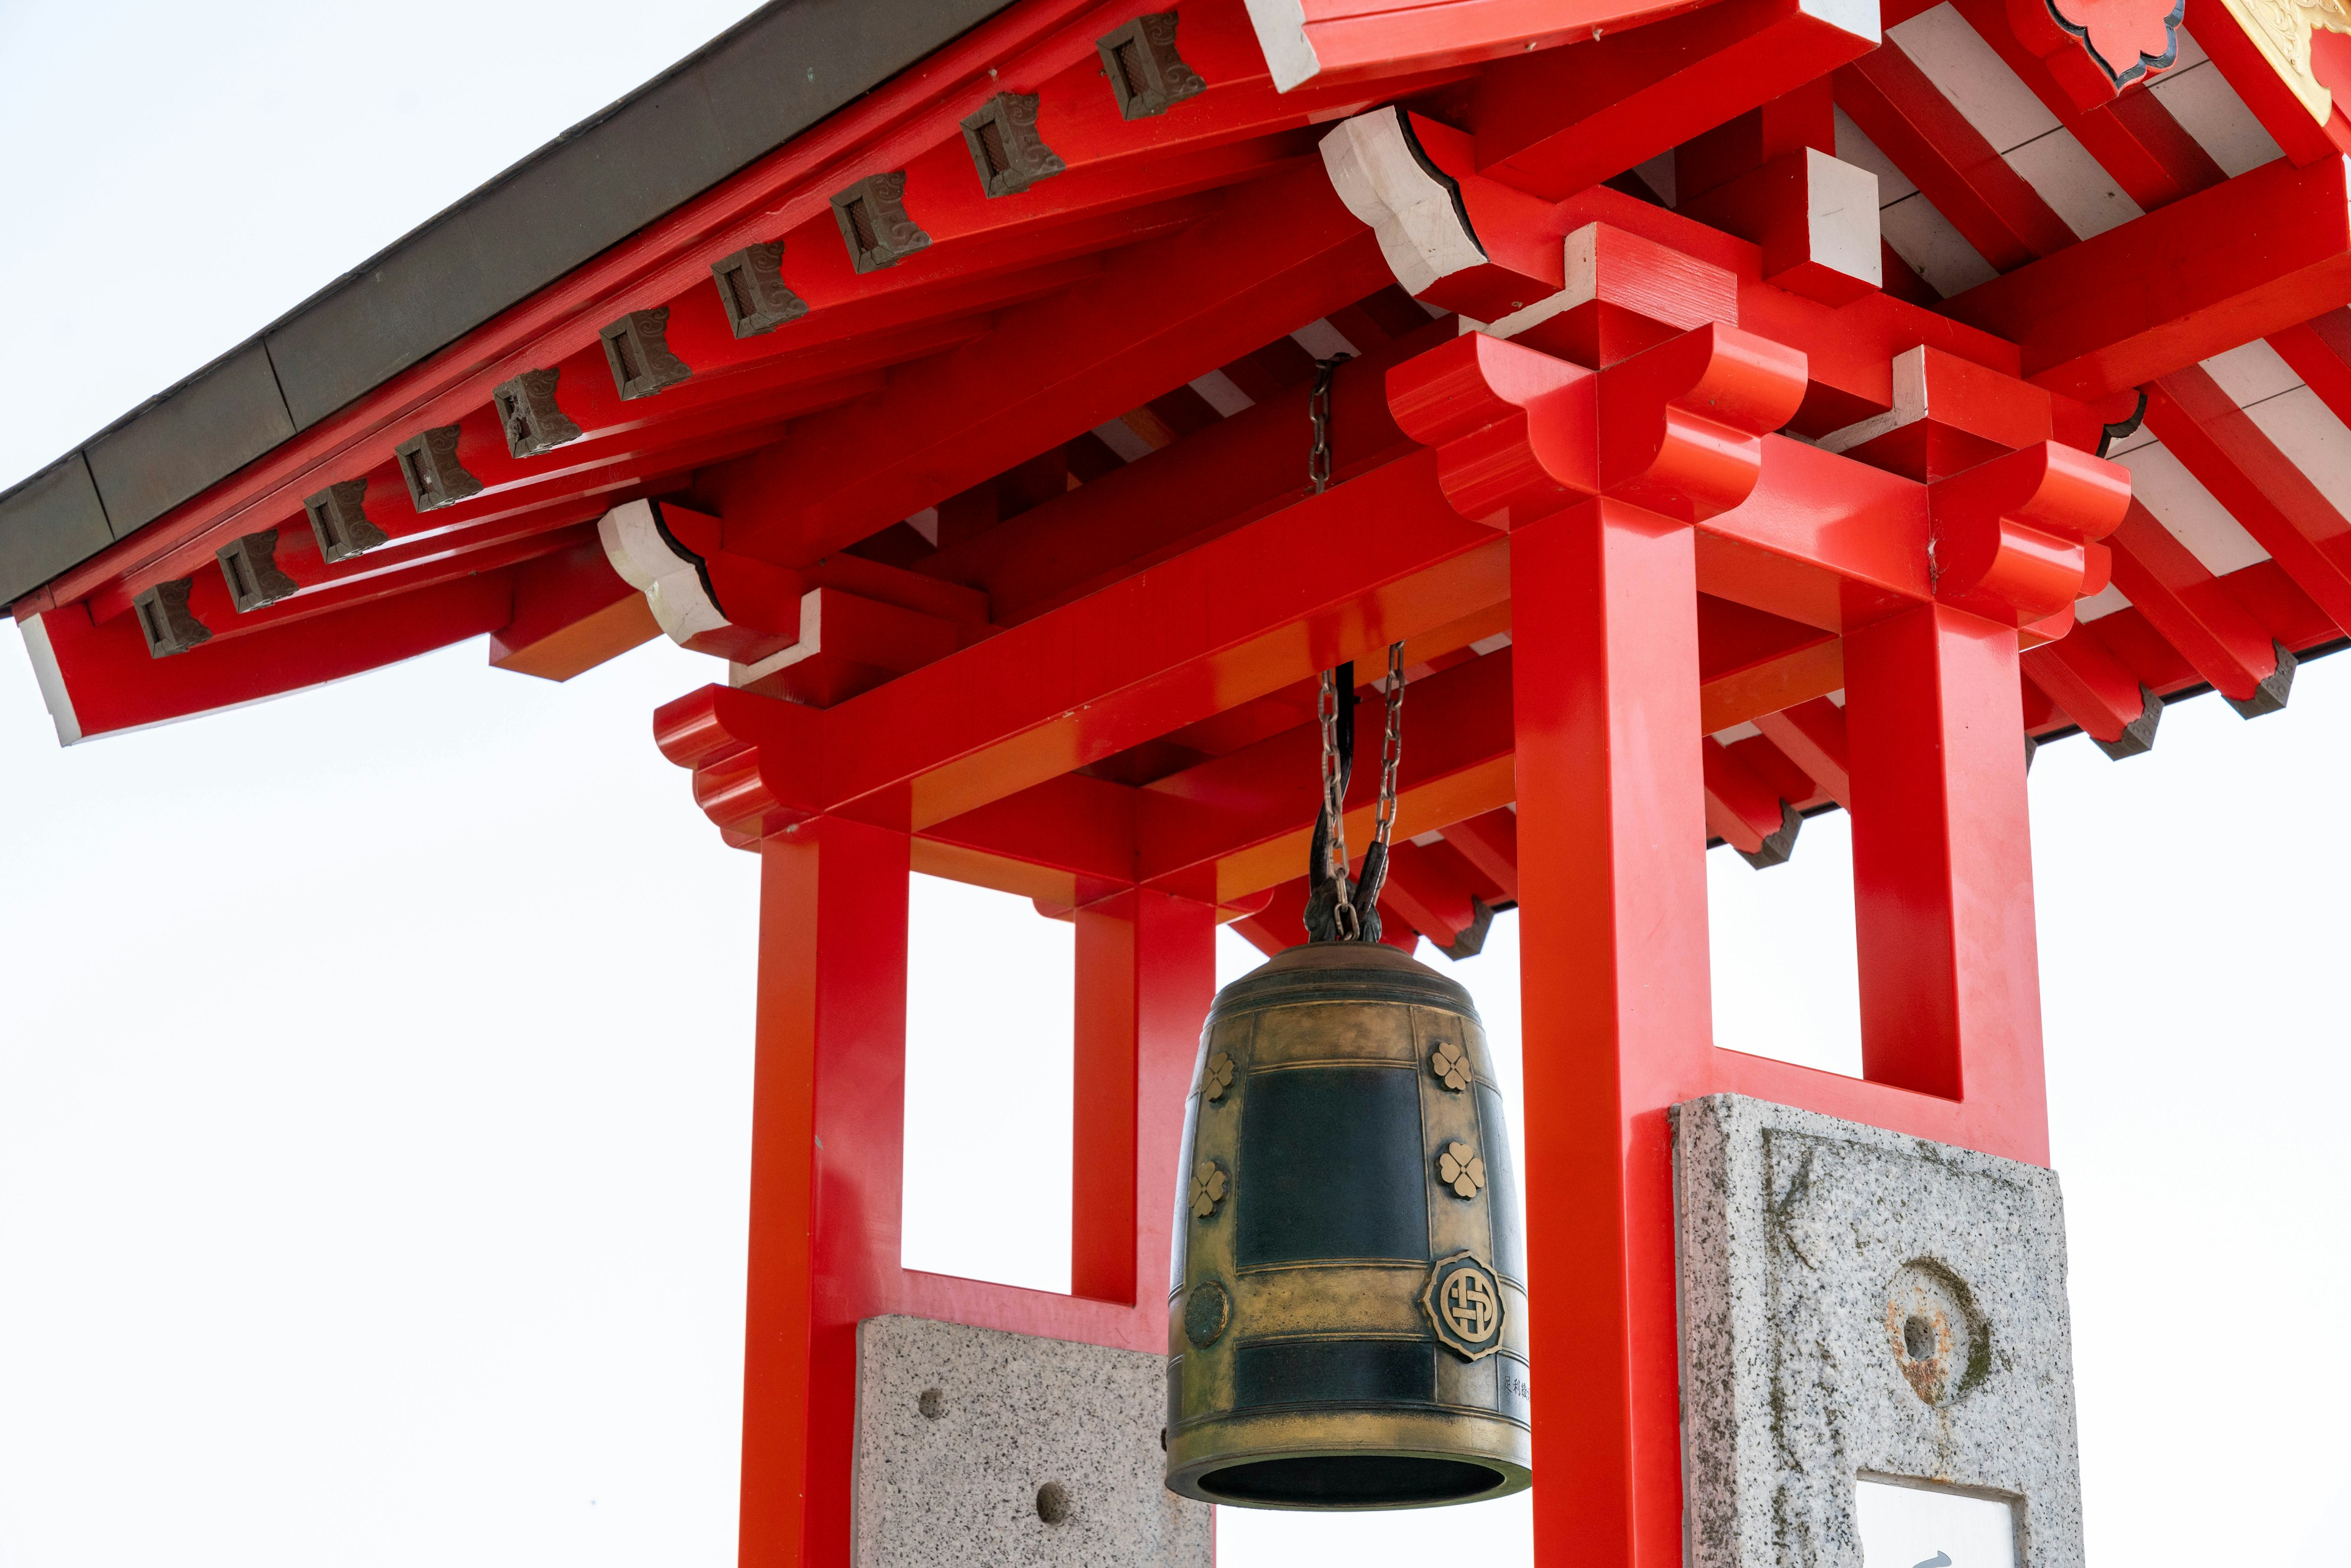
1236,127
1145,973
2236,58
1177,497
1744,812
2252,256
571,613
2271,498
100,678
1554,123
1942,870
1811,735
1055,368
2083,676
1328,40
2319,350
1489,842
1371,561
2197,614
1896,106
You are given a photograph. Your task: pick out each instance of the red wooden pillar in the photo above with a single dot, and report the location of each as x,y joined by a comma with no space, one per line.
1146,971
1616,1008
1942,867
827,1138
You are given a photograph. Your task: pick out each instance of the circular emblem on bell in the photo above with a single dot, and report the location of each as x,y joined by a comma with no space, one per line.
1207,1313
1462,1168
1207,1188
1463,1303
1451,1065
1218,1077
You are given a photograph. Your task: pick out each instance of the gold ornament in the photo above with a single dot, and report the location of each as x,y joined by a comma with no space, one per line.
1451,1065
1218,1077
1207,1188
1465,1305
1461,1168
2281,29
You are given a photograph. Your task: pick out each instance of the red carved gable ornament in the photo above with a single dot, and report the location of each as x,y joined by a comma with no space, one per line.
2095,48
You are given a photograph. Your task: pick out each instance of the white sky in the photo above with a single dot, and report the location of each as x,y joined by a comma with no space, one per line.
374,1063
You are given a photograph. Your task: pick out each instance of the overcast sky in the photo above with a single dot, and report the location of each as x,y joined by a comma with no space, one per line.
374,1063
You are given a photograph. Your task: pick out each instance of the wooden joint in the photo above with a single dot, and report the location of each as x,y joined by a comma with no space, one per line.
2016,540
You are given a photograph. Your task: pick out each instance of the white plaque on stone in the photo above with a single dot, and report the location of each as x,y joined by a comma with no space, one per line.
1916,1525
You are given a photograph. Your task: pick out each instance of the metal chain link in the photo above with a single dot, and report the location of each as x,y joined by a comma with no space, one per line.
1347,919
1391,747
1335,808
1318,409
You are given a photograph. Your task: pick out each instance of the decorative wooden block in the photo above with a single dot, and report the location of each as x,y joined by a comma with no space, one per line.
1144,70
338,523
751,289
249,566
529,416
428,461
166,619
1005,147
637,348
873,221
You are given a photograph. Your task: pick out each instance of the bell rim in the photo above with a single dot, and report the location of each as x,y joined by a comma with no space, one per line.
1511,1477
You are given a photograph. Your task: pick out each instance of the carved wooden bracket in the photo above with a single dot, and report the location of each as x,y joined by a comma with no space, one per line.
1677,429
737,745
2016,540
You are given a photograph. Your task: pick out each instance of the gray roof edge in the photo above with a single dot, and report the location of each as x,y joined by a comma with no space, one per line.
867,19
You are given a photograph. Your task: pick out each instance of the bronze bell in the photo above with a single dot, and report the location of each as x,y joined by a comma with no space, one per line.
1347,1326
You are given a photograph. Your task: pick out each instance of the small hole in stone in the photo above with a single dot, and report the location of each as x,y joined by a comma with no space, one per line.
1052,1502
1917,1337
933,1403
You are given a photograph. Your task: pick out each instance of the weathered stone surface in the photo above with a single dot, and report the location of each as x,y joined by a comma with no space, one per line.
1856,1302
976,1449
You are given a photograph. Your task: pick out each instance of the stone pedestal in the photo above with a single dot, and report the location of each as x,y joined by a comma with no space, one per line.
1859,1305
976,1449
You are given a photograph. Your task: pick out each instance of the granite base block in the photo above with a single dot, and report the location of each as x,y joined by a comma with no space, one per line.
977,1447
1856,1303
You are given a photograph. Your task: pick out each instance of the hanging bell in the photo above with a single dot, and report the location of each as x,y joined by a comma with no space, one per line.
1347,1322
